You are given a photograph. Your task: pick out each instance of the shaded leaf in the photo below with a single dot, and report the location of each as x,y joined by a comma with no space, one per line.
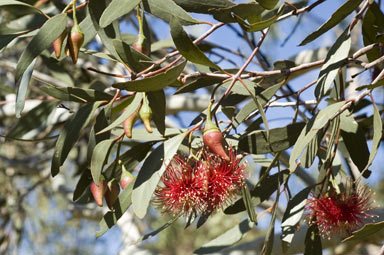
121,206
153,83
197,83
335,59
75,94
186,47
371,86
310,151
373,25
135,102
268,4
141,134
227,239
82,185
233,13
354,140
259,193
377,134
256,142
22,88
100,157
311,130
155,232
70,133
134,59
19,4
341,13
203,6
293,214
313,241
44,39
157,103
366,231
116,9
167,9
151,172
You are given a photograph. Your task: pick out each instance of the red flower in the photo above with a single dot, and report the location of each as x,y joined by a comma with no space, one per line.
336,214
182,191
222,180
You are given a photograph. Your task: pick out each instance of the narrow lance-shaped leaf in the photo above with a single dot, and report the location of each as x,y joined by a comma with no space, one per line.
157,103
377,134
313,241
132,107
23,88
43,40
186,47
293,214
116,9
268,4
347,8
203,6
334,60
151,172
227,239
153,83
70,133
100,157
167,9
366,231
311,129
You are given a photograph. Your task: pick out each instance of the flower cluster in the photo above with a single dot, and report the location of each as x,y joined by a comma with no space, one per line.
337,214
201,186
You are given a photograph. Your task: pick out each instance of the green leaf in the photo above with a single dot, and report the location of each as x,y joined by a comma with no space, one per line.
293,214
134,59
121,206
167,9
371,86
366,231
310,131
256,142
153,83
82,185
131,109
233,13
96,9
157,103
23,88
227,239
203,6
186,47
246,194
151,172
313,242
44,39
373,25
33,119
197,83
335,59
5,40
377,134
19,4
354,140
310,151
100,158
263,96
116,9
155,232
75,94
70,133
141,134
268,4
341,13
260,193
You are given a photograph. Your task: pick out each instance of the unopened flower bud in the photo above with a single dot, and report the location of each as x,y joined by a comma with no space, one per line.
75,41
129,122
58,43
126,178
112,193
145,114
98,191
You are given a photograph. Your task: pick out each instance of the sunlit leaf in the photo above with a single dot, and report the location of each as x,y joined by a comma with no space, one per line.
366,231
100,158
23,88
116,9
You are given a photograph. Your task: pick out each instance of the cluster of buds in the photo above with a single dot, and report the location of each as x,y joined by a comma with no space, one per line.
144,111
340,213
199,187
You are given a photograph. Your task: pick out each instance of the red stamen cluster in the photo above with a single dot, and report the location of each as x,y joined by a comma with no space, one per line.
337,214
200,187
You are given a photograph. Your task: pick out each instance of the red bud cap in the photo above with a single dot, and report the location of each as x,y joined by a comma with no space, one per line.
75,41
98,191
213,138
146,115
141,44
58,43
112,193
126,178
